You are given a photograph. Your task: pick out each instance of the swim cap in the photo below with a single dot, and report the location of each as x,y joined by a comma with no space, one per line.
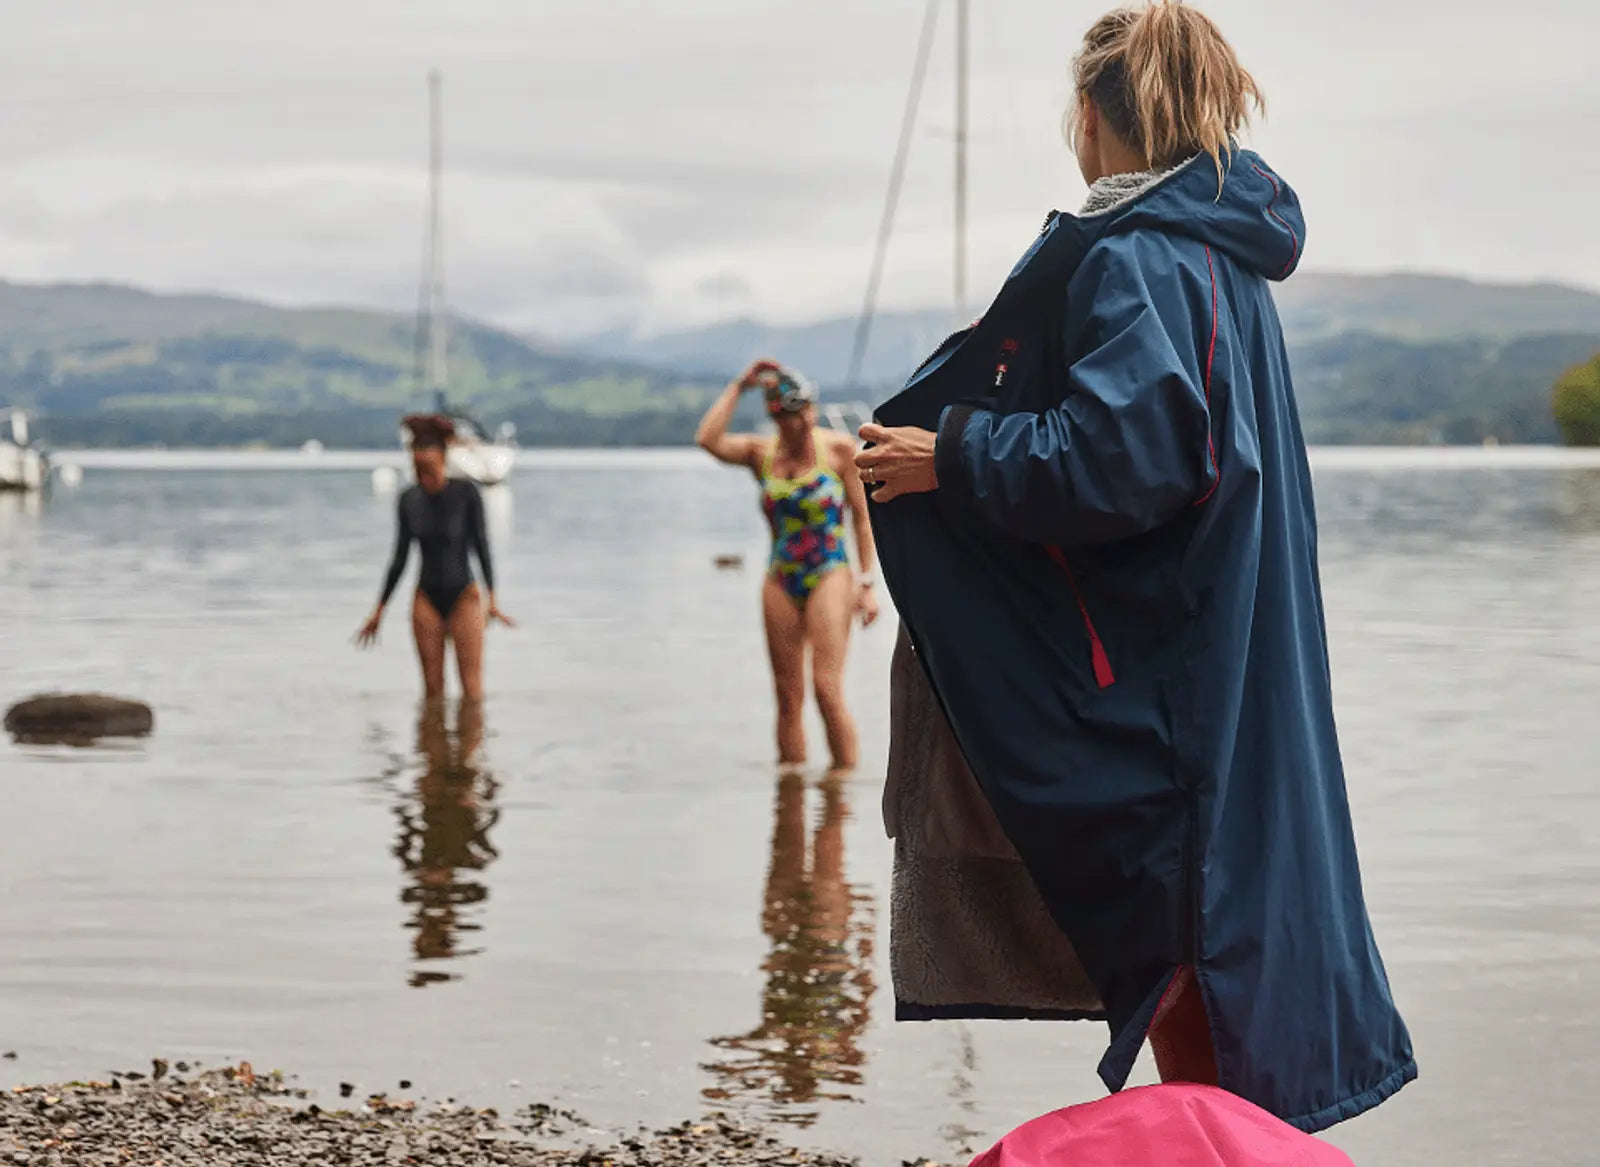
790,393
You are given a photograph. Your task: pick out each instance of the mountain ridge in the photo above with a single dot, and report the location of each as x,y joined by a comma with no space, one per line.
1314,306
1400,358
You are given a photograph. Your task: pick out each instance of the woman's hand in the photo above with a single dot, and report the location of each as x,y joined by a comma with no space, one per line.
368,635
751,376
496,615
866,604
900,461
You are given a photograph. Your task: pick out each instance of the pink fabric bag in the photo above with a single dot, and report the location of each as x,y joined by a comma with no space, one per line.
1174,1125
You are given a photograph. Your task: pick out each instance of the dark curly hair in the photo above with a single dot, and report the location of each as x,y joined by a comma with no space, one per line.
429,429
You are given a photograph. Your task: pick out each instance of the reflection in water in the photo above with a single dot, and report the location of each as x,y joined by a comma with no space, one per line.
444,839
962,1137
819,969
20,504
1579,503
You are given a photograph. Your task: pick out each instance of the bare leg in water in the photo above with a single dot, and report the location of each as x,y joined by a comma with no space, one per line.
466,626
429,630
786,645
828,614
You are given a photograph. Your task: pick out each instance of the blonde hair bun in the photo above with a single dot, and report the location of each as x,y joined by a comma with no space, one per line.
1167,81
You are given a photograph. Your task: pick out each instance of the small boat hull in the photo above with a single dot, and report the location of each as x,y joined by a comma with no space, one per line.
22,467
486,463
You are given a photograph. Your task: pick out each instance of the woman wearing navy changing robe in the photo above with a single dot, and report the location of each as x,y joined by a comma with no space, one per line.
1094,512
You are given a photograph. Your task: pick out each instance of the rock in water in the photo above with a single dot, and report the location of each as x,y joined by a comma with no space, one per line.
77,718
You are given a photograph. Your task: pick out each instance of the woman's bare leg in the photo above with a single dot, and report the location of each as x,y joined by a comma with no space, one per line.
466,634
786,645
1181,1040
428,629
828,614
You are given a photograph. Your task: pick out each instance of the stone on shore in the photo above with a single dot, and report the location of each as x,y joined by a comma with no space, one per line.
77,718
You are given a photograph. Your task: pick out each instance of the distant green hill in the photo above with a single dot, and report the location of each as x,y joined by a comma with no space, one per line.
71,314
1359,388
1314,306
1320,305
1386,359
107,365
1377,359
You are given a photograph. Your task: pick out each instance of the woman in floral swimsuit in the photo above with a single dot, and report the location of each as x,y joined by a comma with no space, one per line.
810,594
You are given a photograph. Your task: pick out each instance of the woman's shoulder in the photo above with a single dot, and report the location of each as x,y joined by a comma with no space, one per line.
1143,266
1126,251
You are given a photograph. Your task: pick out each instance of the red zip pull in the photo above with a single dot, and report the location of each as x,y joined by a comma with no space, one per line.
1104,675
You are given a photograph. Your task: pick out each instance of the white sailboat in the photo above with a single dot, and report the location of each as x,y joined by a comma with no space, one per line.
475,455
23,465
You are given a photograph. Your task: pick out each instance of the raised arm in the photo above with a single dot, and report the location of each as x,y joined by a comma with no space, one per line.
713,436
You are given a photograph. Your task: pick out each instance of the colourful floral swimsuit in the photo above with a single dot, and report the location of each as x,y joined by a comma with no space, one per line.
807,518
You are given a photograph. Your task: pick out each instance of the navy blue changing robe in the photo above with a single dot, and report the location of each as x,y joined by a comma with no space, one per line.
1114,594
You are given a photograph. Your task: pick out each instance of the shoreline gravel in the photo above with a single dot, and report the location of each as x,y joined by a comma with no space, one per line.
181,1115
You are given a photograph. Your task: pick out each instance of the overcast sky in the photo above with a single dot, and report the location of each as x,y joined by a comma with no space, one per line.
664,163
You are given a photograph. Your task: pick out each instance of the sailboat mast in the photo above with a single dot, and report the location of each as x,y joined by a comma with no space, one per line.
961,156
438,329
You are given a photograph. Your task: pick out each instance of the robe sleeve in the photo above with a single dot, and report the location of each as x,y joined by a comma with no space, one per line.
1130,445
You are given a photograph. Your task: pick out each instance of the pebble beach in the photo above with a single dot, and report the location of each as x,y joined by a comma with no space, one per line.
182,1115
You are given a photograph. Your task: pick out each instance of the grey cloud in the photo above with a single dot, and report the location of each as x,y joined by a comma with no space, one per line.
724,286
640,160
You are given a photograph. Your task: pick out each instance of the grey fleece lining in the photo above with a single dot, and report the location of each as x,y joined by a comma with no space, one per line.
1114,190
969,934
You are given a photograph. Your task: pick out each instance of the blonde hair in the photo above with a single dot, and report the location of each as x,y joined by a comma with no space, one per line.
1167,81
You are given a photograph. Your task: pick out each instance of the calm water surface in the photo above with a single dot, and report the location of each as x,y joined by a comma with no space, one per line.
601,891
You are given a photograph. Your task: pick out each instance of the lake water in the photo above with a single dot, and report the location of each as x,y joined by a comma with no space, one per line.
614,902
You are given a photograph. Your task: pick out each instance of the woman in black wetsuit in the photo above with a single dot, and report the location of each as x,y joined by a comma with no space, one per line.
445,517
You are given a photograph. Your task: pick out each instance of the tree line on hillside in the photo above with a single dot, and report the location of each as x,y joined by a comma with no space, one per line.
229,390
347,428
266,389
1577,403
